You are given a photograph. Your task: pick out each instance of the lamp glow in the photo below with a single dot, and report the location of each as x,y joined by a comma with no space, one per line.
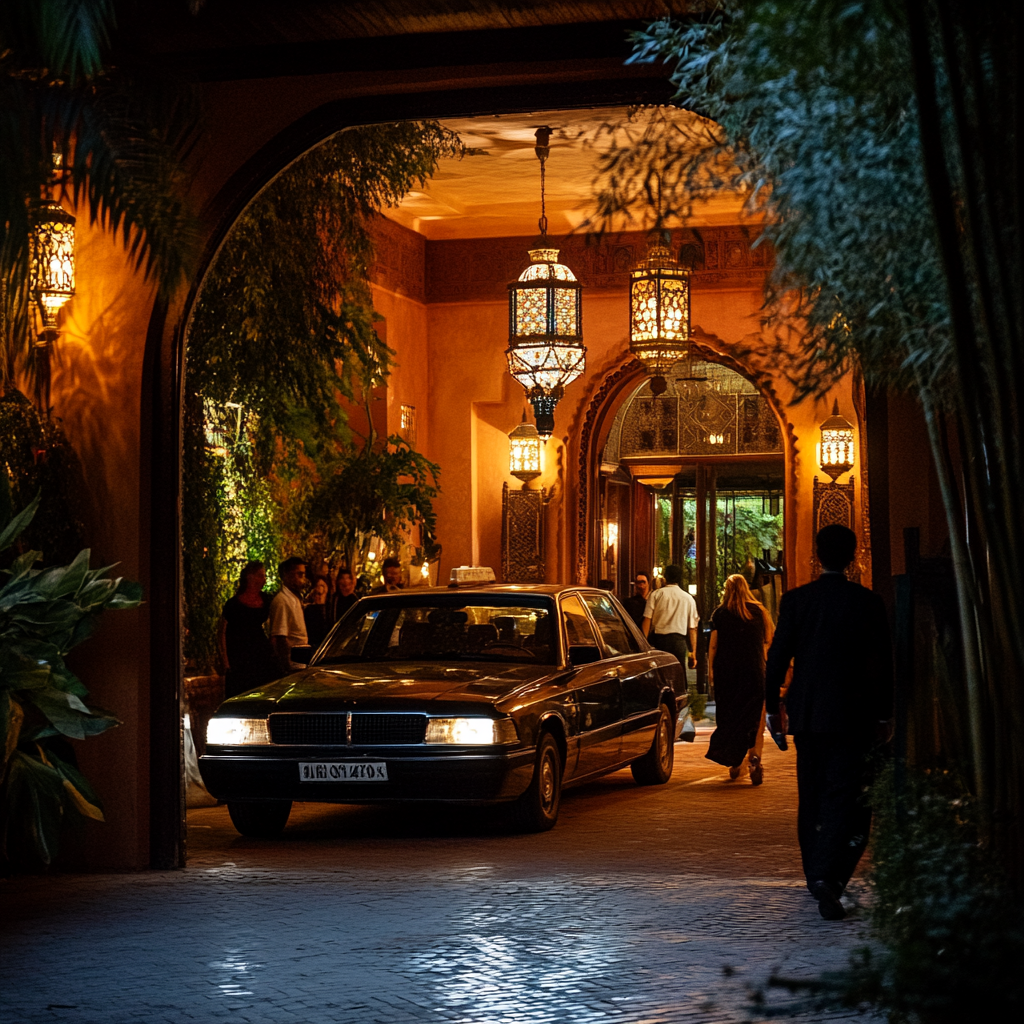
836,452
53,260
659,313
524,452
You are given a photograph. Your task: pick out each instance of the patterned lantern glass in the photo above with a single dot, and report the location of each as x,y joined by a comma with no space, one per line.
545,345
524,446
659,308
53,259
836,445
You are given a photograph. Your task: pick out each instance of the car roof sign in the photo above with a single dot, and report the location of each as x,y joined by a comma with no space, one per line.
470,575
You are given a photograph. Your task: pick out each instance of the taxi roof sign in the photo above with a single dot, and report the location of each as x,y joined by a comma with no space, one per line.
470,575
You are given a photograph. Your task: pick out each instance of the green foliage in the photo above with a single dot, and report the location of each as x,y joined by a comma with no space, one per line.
37,459
281,343
951,938
44,613
376,492
71,84
697,702
814,121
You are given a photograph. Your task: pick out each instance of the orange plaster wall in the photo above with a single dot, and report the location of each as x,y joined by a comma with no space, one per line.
97,384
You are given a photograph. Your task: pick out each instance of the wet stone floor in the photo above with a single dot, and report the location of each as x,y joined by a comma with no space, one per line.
663,904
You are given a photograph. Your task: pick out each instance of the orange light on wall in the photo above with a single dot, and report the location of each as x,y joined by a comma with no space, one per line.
52,261
836,451
524,452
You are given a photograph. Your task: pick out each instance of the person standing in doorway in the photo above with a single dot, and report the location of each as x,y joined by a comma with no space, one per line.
316,613
287,622
344,593
741,632
636,604
840,700
245,653
670,618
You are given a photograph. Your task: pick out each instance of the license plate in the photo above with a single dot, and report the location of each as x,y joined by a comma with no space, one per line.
343,771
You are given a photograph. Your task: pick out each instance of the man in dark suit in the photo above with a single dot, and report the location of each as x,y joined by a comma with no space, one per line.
836,634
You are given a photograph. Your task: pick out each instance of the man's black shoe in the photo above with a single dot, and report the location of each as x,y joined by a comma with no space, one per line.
828,900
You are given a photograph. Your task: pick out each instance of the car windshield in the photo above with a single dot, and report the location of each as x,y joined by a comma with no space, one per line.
444,629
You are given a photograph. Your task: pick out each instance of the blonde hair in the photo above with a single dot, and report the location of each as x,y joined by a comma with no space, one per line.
737,597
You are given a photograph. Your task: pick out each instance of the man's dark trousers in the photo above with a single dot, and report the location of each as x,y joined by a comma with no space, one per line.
834,819
671,643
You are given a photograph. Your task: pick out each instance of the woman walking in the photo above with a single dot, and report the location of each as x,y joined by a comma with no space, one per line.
245,652
742,631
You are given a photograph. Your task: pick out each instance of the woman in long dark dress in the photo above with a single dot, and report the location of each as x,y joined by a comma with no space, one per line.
742,630
316,613
245,652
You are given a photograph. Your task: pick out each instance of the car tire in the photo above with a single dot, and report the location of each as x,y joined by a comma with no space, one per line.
260,819
537,809
655,767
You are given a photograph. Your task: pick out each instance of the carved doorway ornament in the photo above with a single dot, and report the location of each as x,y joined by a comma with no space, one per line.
833,504
522,534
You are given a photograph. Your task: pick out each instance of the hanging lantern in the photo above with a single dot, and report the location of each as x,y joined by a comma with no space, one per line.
53,260
524,451
545,312
659,314
836,449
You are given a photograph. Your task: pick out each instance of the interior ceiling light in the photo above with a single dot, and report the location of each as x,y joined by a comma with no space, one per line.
659,314
545,344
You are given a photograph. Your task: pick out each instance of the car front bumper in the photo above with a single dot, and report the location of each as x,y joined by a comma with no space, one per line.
233,773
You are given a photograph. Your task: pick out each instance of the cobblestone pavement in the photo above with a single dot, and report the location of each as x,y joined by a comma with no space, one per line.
641,907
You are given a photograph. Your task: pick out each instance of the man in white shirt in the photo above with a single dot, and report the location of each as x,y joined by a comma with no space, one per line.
671,616
287,623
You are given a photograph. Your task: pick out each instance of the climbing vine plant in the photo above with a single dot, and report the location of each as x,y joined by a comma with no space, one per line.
281,343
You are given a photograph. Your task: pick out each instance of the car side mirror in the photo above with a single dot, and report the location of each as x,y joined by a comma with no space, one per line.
301,655
584,654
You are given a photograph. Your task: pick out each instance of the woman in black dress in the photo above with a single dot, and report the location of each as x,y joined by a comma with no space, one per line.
245,652
316,613
742,630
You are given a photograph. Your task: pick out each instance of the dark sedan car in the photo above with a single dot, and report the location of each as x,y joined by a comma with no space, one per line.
476,695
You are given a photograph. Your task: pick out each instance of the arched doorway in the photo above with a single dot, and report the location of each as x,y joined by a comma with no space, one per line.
696,476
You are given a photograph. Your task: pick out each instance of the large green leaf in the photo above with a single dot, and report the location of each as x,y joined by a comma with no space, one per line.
69,714
34,795
11,530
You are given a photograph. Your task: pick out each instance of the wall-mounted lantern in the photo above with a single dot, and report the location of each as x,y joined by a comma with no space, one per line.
545,320
836,451
524,452
53,261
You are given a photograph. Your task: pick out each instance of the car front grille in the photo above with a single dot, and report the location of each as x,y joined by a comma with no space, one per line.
332,730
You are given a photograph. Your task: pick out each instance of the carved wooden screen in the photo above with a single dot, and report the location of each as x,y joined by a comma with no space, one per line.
522,535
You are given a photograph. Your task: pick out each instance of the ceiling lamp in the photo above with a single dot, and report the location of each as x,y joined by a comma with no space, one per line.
836,449
53,261
659,313
524,451
545,344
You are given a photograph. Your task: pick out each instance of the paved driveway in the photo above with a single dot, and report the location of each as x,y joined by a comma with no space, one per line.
643,905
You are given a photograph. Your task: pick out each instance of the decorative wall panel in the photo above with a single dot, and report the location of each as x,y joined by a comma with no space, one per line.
522,535
833,503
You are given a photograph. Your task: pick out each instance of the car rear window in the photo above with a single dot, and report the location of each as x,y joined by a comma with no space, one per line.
444,631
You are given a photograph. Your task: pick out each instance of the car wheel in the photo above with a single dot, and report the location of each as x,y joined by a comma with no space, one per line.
655,767
537,809
260,819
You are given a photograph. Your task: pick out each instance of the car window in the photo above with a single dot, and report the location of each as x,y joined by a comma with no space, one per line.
578,630
616,635
443,631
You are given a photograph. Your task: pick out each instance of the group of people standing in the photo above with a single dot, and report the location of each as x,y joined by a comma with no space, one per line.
822,674
258,631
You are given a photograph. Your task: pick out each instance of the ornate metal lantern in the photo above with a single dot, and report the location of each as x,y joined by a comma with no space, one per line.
659,313
524,451
545,344
53,261
836,450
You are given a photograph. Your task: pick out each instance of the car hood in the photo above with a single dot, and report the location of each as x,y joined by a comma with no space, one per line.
394,686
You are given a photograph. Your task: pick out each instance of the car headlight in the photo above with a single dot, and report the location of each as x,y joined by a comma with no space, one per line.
470,731
231,732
